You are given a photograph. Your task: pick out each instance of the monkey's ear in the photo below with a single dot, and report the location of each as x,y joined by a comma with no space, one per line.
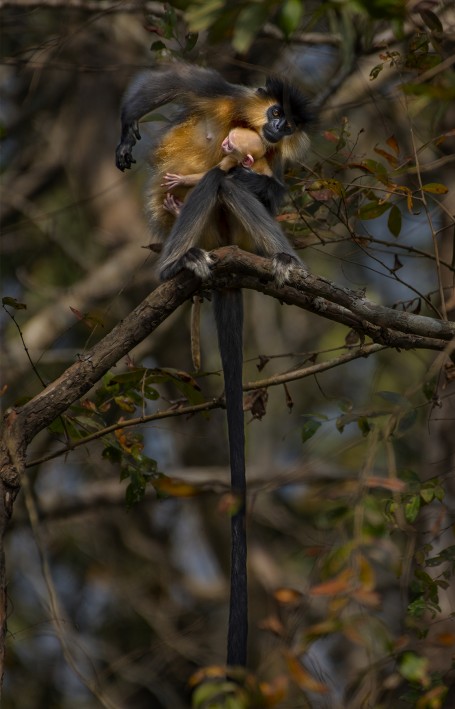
248,160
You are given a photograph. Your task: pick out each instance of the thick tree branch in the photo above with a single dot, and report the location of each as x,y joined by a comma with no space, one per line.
233,268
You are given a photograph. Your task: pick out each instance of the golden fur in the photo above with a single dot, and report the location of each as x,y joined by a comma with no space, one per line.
194,146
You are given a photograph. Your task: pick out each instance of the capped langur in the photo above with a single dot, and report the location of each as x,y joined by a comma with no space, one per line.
242,146
227,205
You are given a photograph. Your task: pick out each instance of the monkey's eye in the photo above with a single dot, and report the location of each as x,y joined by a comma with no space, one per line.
276,112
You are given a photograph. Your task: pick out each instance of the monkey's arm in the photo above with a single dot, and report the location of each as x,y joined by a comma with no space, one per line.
264,231
172,180
150,90
268,190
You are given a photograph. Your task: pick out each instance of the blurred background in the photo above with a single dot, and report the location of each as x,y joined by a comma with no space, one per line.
351,472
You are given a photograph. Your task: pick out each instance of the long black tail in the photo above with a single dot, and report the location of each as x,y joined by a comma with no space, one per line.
228,307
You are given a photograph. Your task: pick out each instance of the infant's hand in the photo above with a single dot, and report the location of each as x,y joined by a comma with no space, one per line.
171,180
172,205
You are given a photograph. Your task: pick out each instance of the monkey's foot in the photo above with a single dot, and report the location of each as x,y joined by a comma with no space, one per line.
282,265
172,205
196,260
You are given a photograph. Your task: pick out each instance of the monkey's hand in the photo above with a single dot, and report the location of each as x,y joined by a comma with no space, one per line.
170,180
172,205
282,265
123,154
196,260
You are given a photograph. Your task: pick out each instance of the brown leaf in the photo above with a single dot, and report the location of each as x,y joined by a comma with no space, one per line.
287,596
371,599
274,692
256,402
393,143
303,678
392,484
340,584
273,624
289,401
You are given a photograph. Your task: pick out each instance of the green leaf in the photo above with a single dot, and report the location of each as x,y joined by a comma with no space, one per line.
219,695
417,608
13,303
383,9
201,14
56,426
406,421
431,20
112,454
375,168
376,70
345,405
447,554
184,382
427,493
372,210
290,15
364,426
249,22
309,428
393,397
414,668
435,188
157,46
191,40
135,491
125,403
394,221
429,388
411,509
138,380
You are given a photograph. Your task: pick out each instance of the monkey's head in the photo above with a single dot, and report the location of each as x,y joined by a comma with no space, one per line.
285,115
244,145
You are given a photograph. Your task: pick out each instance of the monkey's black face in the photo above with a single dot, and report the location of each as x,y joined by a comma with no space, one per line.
277,126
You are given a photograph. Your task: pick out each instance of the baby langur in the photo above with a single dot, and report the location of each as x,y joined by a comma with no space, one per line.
242,146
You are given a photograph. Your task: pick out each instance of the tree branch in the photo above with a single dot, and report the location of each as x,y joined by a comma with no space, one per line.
239,269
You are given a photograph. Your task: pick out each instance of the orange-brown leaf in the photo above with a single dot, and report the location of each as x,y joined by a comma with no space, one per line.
340,584
175,487
273,624
287,595
392,484
274,692
303,678
371,599
393,143
210,672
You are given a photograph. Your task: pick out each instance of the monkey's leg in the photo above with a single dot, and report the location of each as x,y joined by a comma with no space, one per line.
228,308
268,190
264,231
179,248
